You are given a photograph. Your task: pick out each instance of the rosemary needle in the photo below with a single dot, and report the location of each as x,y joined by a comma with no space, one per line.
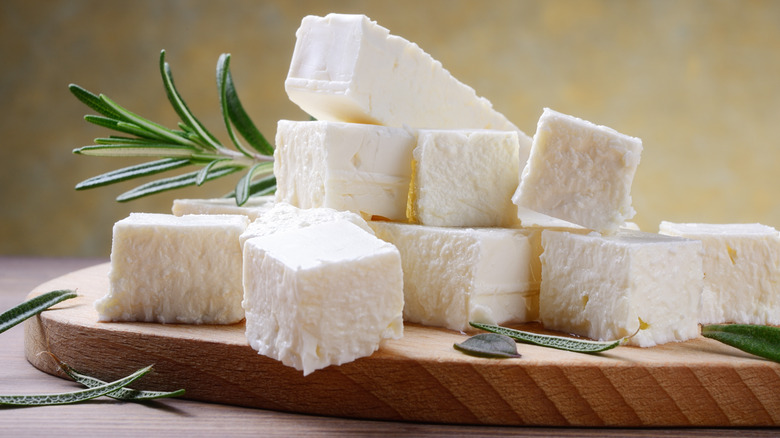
121,393
558,342
71,397
33,307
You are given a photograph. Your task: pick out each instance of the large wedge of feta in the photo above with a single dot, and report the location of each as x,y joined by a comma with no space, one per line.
465,178
741,271
345,166
608,287
456,275
580,172
253,208
283,217
348,68
321,295
175,269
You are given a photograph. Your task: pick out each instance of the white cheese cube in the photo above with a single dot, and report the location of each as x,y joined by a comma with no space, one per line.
347,68
456,275
253,208
346,166
321,295
608,287
465,178
175,269
741,271
284,217
580,172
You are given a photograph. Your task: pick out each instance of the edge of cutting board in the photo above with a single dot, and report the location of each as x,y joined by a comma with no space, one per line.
417,378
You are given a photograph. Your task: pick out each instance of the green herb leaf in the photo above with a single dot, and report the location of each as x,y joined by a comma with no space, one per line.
243,188
148,125
181,108
136,150
131,172
760,340
558,342
490,345
193,144
121,393
71,397
175,182
234,112
124,127
93,101
33,307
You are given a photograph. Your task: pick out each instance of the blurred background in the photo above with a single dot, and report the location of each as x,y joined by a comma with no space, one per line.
698,81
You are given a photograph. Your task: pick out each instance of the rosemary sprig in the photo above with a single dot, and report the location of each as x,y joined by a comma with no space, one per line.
123,393
95,387
190,145
71,397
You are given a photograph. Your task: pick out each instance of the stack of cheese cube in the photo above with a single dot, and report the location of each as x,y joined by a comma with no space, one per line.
410,198
470,201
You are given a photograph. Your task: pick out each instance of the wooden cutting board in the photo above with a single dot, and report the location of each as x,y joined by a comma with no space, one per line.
418,378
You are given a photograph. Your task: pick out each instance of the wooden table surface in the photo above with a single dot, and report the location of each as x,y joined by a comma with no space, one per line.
173,417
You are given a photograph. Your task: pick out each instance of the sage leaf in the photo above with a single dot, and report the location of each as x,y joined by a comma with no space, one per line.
557,342
33,307
71,397
489,345
760,340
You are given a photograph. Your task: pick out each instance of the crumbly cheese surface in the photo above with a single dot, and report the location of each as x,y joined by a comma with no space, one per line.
456,275
608,287
580,172
741,271
321,295
347,166
173,269
348,68
465,178
253,208
284,217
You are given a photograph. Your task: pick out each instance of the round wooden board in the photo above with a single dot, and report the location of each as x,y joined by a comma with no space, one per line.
418,378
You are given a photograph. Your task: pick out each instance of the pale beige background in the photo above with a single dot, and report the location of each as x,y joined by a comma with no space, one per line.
698,81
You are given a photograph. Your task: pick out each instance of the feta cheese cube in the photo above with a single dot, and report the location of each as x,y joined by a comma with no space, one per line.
347,68
253,208
346,166
321,295
580,172
608,287
175,269
741,271
284,217
456,275
465,178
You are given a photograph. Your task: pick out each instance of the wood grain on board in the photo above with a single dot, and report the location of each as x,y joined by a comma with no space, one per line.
417,378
